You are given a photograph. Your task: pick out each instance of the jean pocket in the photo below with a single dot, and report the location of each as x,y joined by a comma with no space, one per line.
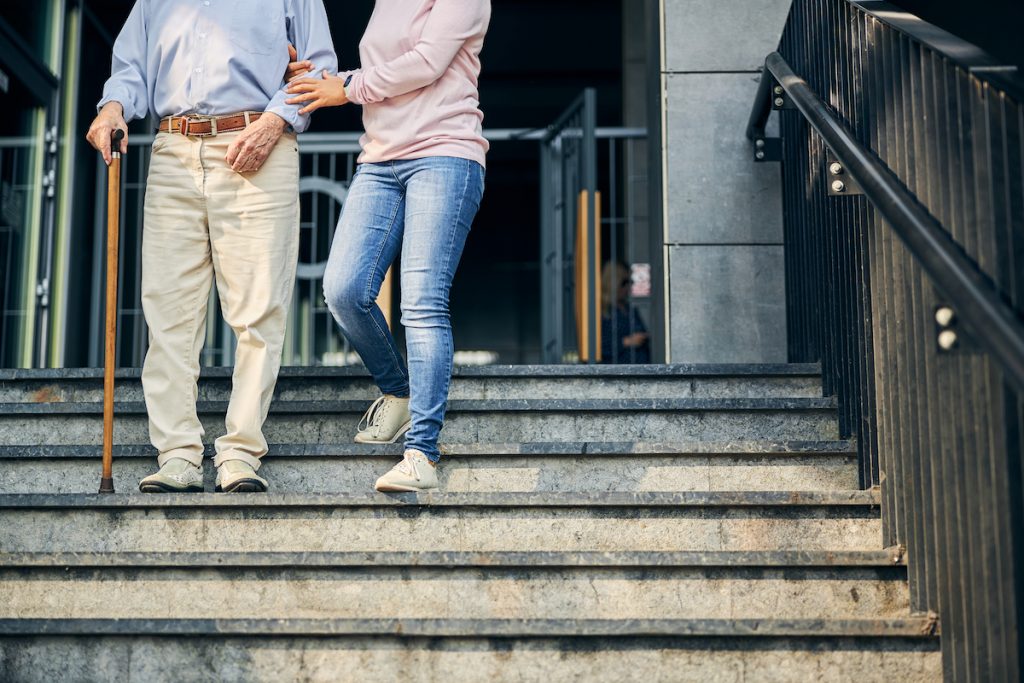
260,33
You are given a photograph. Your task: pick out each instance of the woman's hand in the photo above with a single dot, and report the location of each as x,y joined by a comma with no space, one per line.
296,69
326,91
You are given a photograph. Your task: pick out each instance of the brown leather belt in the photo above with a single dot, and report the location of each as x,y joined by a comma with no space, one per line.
205,126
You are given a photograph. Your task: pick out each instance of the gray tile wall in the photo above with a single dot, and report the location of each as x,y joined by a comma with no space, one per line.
724,212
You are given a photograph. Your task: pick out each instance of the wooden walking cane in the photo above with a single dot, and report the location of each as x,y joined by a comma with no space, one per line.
110,331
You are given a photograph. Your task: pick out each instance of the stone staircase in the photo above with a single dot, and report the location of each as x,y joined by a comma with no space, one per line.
655,523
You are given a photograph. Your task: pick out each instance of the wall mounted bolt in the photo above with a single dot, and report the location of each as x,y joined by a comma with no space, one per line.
759,154
944,316
947,340
779,101
835,168
759,143
838,186
777,90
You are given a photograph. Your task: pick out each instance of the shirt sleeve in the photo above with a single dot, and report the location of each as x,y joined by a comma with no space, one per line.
311,35
127,82
450,24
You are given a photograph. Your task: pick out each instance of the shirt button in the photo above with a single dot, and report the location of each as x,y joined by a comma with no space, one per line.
206,3
202,35
199,70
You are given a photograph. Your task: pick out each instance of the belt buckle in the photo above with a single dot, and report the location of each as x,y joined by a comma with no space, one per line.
189,120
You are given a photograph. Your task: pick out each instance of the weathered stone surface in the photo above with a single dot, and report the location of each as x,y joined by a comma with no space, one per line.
639,420
422,660
474,593
438,529
728,302
480,473
327,387
716,193
722,36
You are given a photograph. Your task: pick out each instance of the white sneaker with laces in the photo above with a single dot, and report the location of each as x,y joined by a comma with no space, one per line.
386,421
177,475
414,473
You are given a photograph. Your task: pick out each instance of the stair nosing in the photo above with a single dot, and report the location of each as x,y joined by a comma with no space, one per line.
458,406
678,370
907,627
615,499
653,560
743,449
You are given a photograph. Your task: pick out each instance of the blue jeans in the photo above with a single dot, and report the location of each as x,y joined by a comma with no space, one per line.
425,208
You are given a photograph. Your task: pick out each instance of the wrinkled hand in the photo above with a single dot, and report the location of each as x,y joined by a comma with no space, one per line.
110,118
296,69
326,91
253,145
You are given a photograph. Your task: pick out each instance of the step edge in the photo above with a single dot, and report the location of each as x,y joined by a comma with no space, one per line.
678,370
768,449
853,498
910,626
650,560
459,406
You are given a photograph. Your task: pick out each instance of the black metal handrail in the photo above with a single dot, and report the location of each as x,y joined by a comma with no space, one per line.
994,323
903,218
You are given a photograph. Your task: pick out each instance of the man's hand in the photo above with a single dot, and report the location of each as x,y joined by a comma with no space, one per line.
296,69
253,145
326,91
634,340
110,118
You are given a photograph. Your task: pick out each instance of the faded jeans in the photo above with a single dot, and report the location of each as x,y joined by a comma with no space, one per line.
423,207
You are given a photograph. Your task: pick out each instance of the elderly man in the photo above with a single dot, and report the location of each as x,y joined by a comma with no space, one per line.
221,202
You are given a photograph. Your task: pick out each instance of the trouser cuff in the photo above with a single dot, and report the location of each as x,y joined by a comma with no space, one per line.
183,453
221,458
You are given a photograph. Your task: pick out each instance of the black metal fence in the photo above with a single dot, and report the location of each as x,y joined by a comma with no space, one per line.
903,173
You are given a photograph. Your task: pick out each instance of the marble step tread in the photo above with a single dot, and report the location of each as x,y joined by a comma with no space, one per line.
455,406
613,499
765,448
885,557
923,626
509,371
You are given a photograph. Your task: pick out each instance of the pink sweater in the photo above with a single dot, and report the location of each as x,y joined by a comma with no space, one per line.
420,64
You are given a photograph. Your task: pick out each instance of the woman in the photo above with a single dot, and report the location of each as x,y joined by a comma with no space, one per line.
624,337
416,190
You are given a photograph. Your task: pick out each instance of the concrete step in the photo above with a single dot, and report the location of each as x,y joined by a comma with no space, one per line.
475,593
556,467
194,651
442,522
489,382
512,420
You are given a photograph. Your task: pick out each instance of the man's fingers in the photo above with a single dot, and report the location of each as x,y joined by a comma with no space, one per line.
124,141
292,54
233,150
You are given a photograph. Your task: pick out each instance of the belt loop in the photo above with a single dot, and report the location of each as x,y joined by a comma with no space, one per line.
246,115
170,124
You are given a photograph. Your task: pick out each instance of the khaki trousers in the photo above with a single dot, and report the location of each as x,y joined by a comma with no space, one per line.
205,221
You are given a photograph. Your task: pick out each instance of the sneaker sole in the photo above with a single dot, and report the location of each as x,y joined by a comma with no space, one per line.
394,488
244,486
157,487
401,432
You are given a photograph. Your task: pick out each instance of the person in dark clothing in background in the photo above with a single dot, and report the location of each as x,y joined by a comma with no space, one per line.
624,338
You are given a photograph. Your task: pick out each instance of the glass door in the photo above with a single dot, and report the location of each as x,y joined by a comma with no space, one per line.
28,151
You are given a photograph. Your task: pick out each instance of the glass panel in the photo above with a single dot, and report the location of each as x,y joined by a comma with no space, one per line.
20,199
33,23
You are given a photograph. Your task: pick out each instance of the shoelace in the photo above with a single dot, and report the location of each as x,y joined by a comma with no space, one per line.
371,414
408,467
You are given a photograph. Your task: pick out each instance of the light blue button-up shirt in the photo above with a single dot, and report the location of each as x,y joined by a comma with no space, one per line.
214,57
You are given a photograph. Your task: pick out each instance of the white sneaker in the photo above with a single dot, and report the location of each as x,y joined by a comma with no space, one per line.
414,473
176,476
238,476
386,421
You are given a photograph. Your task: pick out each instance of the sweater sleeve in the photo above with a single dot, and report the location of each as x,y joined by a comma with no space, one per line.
450,24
